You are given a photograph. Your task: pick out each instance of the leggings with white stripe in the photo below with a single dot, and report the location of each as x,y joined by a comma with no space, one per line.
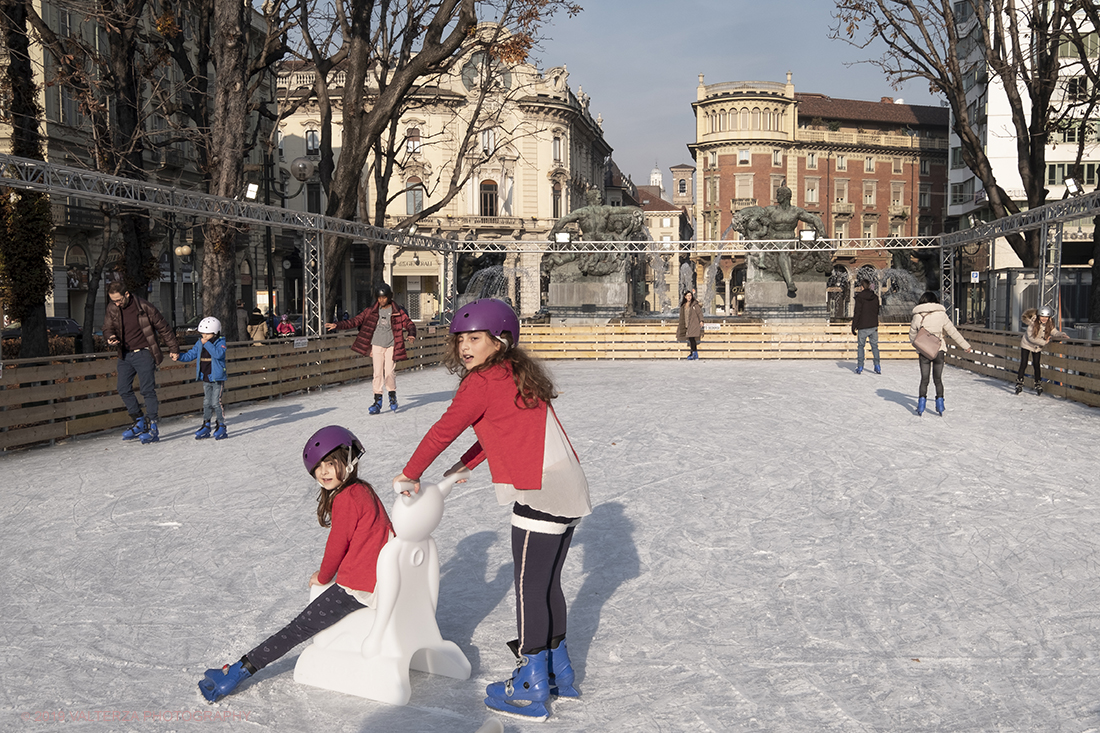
540,603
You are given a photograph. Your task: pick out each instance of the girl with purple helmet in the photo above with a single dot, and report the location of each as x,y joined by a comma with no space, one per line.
504,395
360,527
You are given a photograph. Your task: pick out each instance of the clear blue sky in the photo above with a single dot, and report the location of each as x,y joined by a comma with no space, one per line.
640,61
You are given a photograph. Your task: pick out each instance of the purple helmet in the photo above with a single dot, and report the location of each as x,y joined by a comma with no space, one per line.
326,440
487,314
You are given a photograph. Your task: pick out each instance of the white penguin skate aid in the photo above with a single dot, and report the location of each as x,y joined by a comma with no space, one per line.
370,652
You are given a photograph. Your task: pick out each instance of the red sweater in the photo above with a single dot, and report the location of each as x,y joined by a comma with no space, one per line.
360,528
510,437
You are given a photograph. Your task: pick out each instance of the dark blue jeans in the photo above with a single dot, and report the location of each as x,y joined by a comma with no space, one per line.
141,364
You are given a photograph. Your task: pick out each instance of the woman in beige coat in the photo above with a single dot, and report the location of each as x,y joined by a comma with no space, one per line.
691,323
1038,331
932,316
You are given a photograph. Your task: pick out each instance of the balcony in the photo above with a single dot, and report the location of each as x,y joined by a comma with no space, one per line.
872,140
843,207
897,211
77,217
738,204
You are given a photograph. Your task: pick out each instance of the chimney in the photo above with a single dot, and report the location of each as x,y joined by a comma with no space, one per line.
887,100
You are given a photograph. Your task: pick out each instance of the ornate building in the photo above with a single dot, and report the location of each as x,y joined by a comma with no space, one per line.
868,169
533,162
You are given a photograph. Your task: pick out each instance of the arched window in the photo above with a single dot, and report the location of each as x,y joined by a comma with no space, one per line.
721,120
414,196
744,118
556,149
756,118
313,142
76,268
488,191
683,186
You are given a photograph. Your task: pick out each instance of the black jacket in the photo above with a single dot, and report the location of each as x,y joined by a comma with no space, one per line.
866,311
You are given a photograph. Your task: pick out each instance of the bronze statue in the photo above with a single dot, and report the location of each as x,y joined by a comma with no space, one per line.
779,222
597,224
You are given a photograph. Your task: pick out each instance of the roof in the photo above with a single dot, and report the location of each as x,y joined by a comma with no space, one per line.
885,111
649,199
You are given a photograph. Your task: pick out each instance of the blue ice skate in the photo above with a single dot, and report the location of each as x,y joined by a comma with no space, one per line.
921,402
525,694
561,674
220,682
135,430
150,435
375,408
220,433
939,405
878,369
393,402
203,432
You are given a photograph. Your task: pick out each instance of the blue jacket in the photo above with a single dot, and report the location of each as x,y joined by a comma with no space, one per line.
216,349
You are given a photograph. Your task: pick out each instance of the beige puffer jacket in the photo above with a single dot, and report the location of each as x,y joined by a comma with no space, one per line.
933,317
1036,341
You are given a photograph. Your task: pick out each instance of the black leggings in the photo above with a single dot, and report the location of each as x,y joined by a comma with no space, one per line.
325,610
540,603
1036,357
693,344
935,366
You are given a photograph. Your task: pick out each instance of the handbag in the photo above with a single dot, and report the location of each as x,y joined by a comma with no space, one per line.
926,342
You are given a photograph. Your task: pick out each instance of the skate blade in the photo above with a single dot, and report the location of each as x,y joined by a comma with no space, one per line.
534,711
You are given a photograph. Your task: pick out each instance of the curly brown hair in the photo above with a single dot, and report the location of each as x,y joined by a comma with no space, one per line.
533,382
1032,315
325,498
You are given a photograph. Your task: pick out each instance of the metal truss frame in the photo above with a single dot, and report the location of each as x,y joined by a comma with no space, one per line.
37,175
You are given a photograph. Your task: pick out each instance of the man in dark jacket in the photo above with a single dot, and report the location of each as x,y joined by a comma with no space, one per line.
865,324
131,325
382,328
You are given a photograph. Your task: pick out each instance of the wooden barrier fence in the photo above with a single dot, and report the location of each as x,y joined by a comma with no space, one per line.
721,340
1071,368
42,400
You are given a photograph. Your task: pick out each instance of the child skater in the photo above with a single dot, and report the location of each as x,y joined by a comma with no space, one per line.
1038,331
505,396
210,370
360,528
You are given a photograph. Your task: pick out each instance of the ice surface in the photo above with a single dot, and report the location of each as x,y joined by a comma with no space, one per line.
775,546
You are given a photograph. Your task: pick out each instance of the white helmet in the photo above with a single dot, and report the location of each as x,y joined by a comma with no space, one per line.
1047,311
210,324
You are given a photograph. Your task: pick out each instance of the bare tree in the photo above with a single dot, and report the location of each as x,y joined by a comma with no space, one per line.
1017,41
387,52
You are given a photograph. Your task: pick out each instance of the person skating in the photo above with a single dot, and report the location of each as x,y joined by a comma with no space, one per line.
505,396
360,528
865,325
1039,330
382,328
131,325
690,327
208,353
932,316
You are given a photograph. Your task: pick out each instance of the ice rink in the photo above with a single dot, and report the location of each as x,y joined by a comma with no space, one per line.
775,546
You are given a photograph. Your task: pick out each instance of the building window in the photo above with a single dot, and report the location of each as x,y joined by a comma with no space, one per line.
924,199
777,183
414,196
488,142
897,193
744,118
313,198
556,149
682,186
840,230
755,119
842,162
712,158
811,190
897,165
869,193
925,167
869,164
488,190
279,142
777,157
412,140
962,193
841,191
555,201
744,157
313,142
712,192
743,186
811,160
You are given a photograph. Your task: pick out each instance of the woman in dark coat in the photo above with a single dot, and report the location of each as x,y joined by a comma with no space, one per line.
691,323
382,328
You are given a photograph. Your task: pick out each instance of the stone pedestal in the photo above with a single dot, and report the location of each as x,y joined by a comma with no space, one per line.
588,297
768,299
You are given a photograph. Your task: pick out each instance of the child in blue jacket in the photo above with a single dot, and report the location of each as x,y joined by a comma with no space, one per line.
209,350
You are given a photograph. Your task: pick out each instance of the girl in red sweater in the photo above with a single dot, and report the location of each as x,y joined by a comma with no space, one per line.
505,396
360,528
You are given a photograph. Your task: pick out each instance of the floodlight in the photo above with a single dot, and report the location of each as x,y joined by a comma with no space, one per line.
1073,187
807,235
250,191
562,237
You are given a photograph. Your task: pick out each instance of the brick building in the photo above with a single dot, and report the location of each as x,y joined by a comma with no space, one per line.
868,169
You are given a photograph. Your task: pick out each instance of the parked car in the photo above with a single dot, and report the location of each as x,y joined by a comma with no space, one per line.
54,327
